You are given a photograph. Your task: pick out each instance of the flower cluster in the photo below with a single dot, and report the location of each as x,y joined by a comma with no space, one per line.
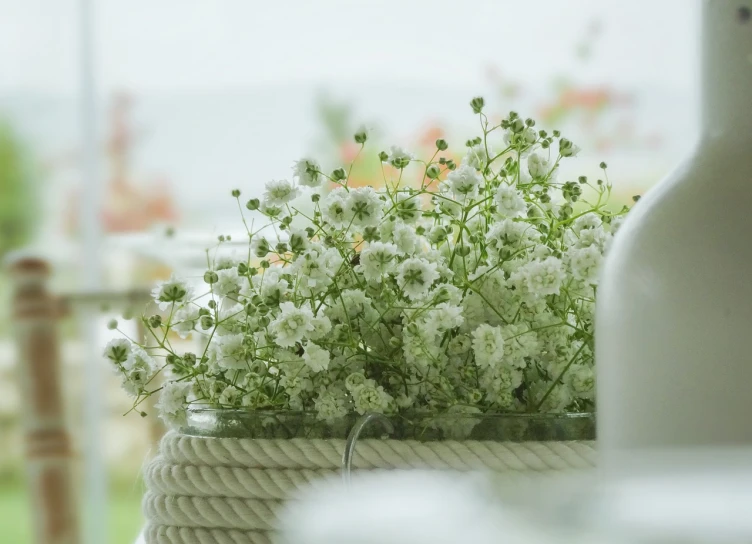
473,292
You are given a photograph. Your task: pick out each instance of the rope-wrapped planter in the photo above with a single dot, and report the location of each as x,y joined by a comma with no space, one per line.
211,490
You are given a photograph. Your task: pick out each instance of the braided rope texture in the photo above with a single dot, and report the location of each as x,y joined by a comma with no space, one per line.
229,490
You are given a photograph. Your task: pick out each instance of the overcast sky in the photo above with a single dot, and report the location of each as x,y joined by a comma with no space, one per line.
190,45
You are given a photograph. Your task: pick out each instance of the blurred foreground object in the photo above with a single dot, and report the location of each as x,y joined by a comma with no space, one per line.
48,448
662,498
675,302
411,507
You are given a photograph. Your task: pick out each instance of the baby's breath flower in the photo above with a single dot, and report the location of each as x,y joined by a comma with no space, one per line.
585,263
477,157
377,260
544,277
369,398
307,172
509,202
399,157
488,346
467,290
415,277
363,207
118,350
316,358
173,402
279,192
172,291
465,180
292,325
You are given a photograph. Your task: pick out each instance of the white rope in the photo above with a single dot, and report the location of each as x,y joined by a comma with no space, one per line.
211,512
165,478
381,454
191,535
228,491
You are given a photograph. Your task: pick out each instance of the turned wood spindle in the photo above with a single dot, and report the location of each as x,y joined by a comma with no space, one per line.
47,442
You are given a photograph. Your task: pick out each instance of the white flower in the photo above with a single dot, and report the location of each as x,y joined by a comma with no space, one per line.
405,238
321,327
279,192
616,224
538,166
520,343
307,172
334,208
139,368
118,350
509,202
477,157
369,398
544,277
585,263
230,396
172,291
444,317
315,357
185,319
228,282
173,402
464,180
399,157
587,221
355,381
292,325
315,269
507,237
330,406
488,346
416,276
407,206
582,380
231,352
593,237
271,285
363,207
377,260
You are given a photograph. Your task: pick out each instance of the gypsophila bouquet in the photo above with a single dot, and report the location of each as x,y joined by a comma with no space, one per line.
473,292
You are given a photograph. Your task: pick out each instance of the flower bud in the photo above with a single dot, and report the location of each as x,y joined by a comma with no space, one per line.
236,193
441,144
210,277
463,250
477,104
433,171
155,321
242,269
603,165
112,324
339,174
207,322
517,126
253,204
315,197
383,156
264,264
361,136
212,304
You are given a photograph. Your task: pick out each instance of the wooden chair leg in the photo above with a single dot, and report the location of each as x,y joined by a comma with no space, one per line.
48,447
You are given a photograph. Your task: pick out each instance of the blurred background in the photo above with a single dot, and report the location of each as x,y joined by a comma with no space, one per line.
125,125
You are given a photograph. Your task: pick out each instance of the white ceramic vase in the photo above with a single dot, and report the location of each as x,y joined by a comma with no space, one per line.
674,314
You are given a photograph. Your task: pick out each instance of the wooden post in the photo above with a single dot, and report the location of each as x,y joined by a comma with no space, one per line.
48,448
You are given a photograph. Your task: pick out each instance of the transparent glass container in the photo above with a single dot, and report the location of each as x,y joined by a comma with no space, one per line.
514,427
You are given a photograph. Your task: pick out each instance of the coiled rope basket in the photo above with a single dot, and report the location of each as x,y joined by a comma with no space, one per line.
228,490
